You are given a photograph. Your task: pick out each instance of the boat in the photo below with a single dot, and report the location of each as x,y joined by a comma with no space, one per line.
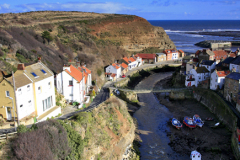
176,123
195,155
198,120
189,122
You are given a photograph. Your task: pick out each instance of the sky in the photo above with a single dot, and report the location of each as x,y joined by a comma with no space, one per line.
148,9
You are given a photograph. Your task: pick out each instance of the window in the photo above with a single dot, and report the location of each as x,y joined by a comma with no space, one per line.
21,105
7,94
34,74
44,72
49,85
28,88
29,102
216,80
47,103
19,91
70,83
39,89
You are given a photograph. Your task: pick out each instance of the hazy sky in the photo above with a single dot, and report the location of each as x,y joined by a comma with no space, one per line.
148,9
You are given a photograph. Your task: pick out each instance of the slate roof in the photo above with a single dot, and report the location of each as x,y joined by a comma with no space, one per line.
20,80
234,75
207,62
36,68
202,70
160,54
219,64
228,60
236,60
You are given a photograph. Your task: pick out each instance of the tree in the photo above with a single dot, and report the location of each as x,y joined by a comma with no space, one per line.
46,35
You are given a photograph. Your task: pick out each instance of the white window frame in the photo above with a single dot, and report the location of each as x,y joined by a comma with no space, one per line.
28,87
7,93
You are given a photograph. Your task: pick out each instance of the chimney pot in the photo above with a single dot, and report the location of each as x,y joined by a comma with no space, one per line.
21,66
39,59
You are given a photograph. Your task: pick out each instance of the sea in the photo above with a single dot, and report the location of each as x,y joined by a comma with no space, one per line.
185,33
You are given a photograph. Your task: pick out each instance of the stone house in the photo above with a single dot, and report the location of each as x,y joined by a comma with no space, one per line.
205,54
231,87
160,57
217,79
147,57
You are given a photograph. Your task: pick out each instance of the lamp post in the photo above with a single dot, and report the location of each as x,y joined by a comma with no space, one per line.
13,111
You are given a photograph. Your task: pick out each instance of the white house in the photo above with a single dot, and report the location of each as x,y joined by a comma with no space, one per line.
138,59
217,79
71,84
190,80
235,65
132,63
114,69
200,74
87,76
43,90
209,64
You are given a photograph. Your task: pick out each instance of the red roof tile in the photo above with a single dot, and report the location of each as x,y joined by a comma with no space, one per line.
75,73
146,56
87,70
222,73
125,59
132,59
124,65
220,54
232,55
115,66
180,51
169,51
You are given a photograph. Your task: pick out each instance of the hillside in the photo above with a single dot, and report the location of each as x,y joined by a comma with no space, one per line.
103,133
98,39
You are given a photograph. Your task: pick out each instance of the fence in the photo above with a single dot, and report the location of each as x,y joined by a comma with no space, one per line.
4,137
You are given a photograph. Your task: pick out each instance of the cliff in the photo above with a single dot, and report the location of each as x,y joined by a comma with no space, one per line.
62,36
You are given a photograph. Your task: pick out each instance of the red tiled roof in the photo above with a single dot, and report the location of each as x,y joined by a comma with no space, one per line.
197,52
124,65
170,51
75,73
180,51
219,54
222,73
125,59
132,59
115,66
146,56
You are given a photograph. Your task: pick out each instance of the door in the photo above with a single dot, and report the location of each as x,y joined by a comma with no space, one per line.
189,84
9,113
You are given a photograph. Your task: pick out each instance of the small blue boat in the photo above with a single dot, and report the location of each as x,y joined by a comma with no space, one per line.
189,122
176,123
198,120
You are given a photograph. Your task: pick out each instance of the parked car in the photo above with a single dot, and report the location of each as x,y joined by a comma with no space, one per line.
123,76
116,91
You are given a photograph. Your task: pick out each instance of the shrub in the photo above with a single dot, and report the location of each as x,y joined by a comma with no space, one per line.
1,53
48,141
22,129
99,72
47,36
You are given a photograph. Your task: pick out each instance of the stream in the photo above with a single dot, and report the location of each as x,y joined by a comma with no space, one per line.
152,120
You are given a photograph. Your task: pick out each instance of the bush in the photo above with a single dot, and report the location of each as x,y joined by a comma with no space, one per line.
22,129
99,72
1,53
48,141
47,36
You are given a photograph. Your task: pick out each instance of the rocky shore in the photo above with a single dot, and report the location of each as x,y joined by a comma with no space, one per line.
235,34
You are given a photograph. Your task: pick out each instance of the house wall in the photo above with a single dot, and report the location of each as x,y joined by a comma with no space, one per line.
111,69
24,107
237,67
231,89
42,94
161,58
175,55
54,113
5,101
188,81
189,67
169,56
216,81
132,65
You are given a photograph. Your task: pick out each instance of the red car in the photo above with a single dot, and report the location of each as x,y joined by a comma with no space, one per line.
123,76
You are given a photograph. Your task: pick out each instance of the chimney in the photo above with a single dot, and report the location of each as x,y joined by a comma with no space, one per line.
39,59
21,66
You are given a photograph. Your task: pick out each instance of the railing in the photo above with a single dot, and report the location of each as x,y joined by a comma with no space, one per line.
4,137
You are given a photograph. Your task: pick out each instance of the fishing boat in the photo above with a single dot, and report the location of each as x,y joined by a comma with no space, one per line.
189,122
198,120
195,155
176,123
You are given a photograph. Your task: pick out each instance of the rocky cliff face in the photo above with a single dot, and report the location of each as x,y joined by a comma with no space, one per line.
133,34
